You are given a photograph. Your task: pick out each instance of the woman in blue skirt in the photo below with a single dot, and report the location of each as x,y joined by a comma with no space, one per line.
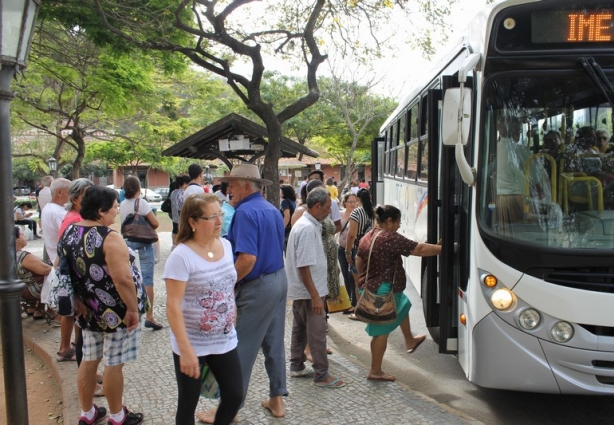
386,273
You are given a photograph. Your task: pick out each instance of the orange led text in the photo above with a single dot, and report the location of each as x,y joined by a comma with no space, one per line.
593,27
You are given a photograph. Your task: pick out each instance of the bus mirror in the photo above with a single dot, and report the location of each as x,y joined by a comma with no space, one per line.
455,130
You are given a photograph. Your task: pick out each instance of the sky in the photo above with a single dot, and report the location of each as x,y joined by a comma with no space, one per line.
407,66
398,72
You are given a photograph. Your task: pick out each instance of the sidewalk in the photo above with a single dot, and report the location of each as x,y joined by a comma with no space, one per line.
150,382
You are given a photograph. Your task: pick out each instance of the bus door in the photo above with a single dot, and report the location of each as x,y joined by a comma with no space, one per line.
454,230
377,170
430,275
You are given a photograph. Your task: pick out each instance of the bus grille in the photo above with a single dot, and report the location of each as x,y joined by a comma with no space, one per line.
597,279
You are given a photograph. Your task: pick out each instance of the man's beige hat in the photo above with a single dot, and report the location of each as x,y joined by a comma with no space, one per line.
247,172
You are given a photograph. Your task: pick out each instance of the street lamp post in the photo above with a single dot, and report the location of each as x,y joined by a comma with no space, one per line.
53,166
318,165
16,29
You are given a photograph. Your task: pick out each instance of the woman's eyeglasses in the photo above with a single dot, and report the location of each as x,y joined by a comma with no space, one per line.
220,215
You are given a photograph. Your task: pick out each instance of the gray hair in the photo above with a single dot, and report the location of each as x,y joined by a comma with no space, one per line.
256,186
75,189
60,183
319,195
47,180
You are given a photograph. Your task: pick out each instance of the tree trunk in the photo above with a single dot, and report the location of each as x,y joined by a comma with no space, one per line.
77,136
271,159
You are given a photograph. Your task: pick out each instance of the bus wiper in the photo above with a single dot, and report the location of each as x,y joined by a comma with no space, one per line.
596,74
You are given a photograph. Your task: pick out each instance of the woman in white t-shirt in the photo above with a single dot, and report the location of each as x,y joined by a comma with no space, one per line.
200,304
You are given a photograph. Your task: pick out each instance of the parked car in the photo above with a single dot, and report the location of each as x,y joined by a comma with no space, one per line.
150,196
162,191
22,191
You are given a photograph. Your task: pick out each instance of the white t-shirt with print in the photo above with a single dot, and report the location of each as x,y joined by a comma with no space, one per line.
208,305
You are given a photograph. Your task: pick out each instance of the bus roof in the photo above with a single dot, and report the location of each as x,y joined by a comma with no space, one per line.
473,39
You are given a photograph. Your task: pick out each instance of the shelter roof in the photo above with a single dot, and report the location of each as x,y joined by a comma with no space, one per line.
233,137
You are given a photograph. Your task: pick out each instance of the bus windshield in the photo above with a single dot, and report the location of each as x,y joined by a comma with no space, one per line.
546,170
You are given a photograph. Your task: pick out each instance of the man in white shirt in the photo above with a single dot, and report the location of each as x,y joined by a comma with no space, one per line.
306,270
52,215
195,171
51,218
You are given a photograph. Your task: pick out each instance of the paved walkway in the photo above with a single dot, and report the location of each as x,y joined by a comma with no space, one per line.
150,382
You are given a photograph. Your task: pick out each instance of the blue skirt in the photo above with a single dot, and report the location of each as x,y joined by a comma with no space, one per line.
403,305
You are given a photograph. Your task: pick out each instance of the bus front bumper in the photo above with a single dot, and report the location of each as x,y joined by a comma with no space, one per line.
507,358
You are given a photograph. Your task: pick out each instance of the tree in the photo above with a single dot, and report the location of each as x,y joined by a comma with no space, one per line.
362,112
216,34
72,87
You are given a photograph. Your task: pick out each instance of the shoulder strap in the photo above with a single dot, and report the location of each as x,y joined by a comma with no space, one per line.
369,259
345,225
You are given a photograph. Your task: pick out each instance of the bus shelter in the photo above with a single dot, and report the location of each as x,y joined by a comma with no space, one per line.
233,139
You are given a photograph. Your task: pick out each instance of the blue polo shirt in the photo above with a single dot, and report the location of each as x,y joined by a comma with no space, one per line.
257,229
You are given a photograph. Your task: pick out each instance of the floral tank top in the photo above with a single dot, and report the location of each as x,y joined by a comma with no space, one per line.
82,260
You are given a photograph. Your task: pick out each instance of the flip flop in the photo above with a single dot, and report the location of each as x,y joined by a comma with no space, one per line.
415,347
69,356
352,316
335,383
385,377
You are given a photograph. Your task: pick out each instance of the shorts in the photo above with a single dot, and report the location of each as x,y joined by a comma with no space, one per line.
175,228
114,348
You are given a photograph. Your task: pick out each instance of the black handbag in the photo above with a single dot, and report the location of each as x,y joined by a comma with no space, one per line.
136,228
166,205
373,308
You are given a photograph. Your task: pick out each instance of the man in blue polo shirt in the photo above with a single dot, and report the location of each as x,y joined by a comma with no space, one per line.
257,237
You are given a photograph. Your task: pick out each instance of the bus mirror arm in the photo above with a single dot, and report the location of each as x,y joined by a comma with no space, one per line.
467,172
470,62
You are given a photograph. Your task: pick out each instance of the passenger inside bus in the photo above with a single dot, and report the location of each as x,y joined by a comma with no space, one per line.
510,174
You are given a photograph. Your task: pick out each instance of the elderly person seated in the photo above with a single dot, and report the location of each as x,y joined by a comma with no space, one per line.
31,270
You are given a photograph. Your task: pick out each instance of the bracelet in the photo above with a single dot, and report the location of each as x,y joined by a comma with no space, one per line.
348,252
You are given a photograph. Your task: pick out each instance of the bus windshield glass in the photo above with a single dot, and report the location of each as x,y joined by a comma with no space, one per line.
546,170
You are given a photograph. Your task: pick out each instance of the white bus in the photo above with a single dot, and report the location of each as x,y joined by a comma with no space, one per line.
503,152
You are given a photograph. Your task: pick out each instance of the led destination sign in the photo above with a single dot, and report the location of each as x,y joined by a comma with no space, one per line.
582,26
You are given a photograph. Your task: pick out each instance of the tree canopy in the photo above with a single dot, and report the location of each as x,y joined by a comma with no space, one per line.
219,36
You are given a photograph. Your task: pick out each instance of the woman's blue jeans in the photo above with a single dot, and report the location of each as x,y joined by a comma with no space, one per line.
147,259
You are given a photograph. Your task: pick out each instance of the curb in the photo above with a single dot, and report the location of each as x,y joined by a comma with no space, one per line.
64,373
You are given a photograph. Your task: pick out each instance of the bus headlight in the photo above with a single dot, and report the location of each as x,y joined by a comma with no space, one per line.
529,319
502,299
562,332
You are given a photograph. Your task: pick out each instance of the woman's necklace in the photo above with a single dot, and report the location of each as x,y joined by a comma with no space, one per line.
210,251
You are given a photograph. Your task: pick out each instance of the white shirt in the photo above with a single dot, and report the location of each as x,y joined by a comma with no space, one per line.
191,190
51,220
44,197
127,207
208,304
335,212
305,250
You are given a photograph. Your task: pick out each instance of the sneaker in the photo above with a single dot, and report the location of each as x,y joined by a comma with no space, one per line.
129,418
101,413
303,373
